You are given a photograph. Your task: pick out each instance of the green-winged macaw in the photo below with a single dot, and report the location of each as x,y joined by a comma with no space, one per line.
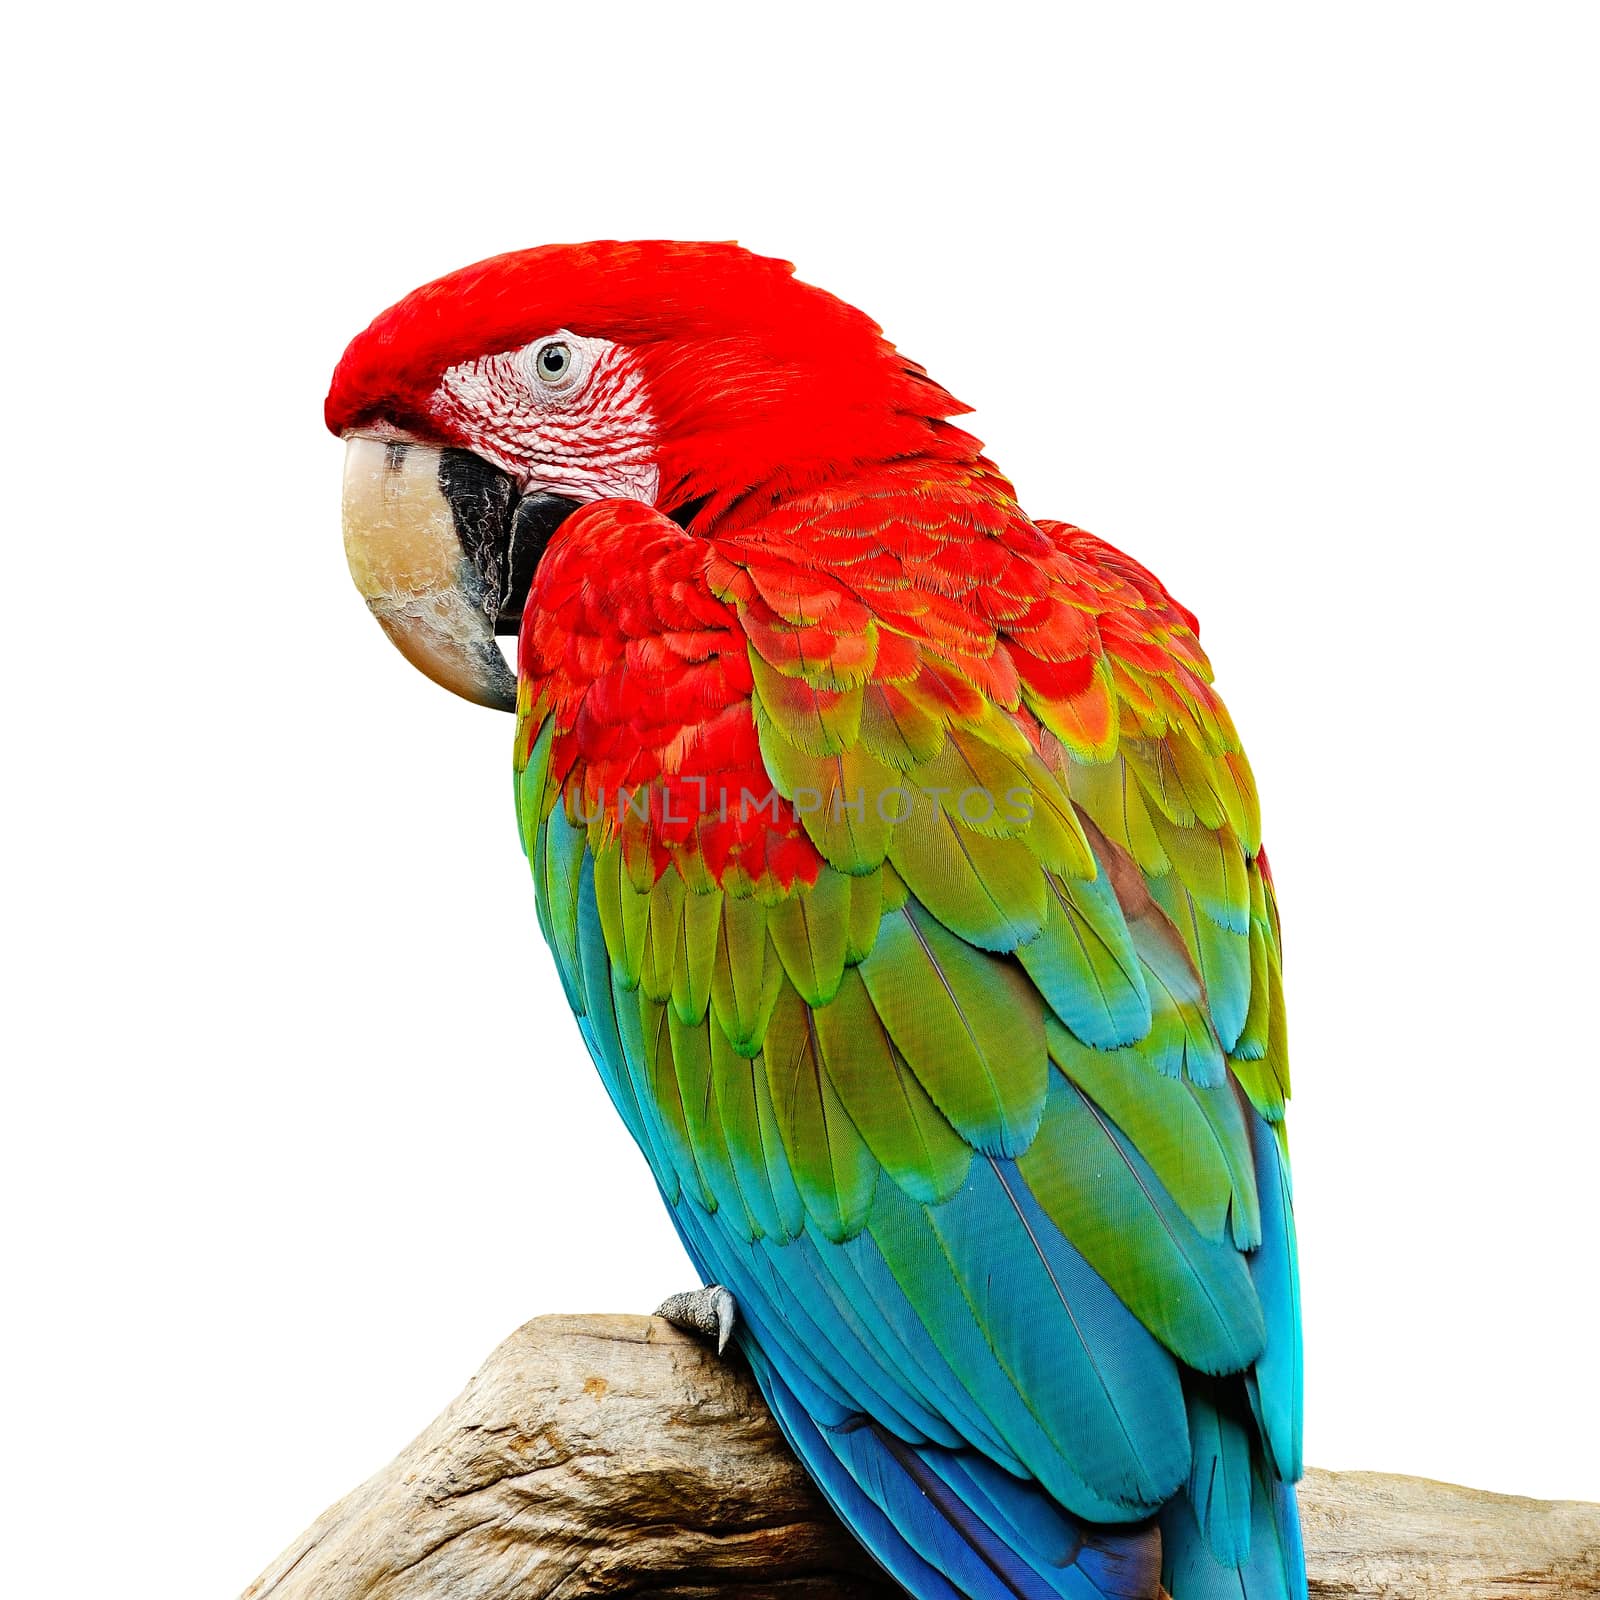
904,873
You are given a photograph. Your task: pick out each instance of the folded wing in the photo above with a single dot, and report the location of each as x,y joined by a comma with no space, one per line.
912,905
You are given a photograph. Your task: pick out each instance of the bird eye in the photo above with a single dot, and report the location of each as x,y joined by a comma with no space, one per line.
554,361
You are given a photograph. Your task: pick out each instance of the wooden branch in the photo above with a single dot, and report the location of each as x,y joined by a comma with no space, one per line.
614,1455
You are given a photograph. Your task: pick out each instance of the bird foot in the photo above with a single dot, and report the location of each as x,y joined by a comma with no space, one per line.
710,1311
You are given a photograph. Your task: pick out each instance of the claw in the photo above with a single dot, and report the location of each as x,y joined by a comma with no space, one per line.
710,1311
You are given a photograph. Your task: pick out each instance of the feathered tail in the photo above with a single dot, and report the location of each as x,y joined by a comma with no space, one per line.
948,1524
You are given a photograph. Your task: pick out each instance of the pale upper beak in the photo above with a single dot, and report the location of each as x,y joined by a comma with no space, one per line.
443,552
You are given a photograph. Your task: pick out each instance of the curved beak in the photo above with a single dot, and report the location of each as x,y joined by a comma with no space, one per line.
443,553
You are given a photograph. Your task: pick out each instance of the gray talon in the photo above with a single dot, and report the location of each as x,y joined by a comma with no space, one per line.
710,1311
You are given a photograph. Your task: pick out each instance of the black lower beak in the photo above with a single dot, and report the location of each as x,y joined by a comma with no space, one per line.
502,534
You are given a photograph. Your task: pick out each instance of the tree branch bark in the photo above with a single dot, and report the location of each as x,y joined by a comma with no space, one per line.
613,1455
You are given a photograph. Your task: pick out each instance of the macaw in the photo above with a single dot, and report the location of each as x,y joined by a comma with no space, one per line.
904,874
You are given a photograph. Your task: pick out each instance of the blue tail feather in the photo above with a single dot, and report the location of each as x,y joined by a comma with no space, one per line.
945,1522
1275,1269
1220,1472
1273,1569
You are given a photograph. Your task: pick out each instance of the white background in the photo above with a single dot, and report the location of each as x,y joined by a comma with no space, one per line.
1295,303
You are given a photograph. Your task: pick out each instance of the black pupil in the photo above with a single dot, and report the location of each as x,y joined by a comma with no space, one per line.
553,360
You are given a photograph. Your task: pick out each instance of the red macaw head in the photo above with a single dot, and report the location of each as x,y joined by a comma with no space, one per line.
486,405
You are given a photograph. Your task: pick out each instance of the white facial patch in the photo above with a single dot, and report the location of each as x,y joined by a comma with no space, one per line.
565,415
